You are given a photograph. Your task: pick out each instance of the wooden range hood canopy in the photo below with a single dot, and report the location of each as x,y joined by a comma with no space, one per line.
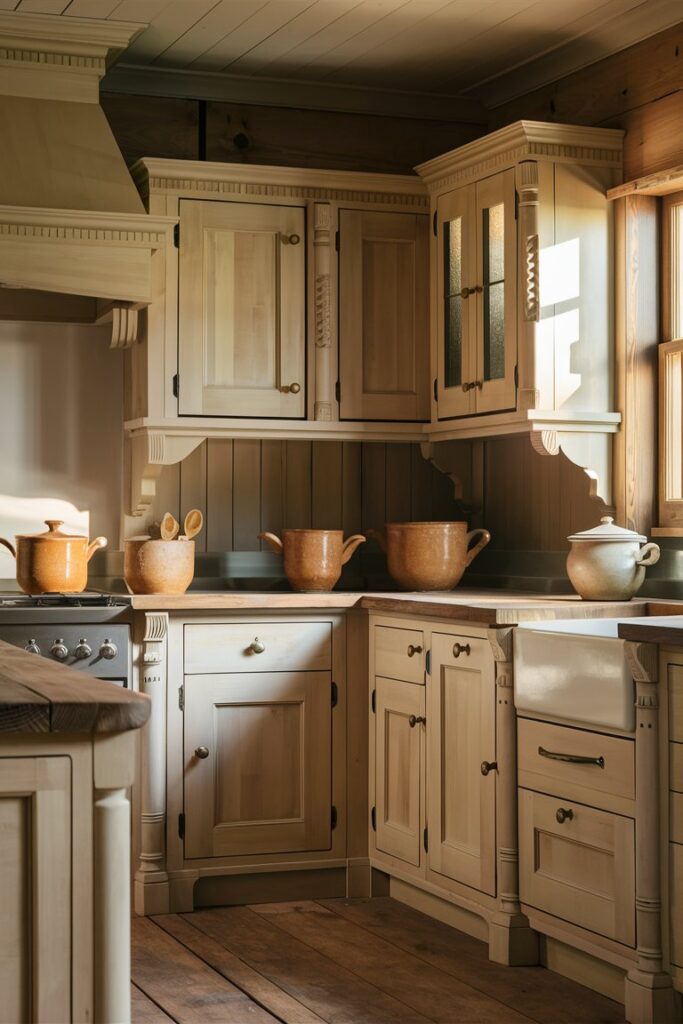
71,220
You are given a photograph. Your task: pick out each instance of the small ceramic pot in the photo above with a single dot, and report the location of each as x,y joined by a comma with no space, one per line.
429,556
608,562
53,562
158,566
313,559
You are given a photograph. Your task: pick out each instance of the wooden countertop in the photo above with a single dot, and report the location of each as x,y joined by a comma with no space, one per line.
483,607
37,695
642,632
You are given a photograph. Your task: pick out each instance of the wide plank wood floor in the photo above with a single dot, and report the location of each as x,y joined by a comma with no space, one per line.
342,962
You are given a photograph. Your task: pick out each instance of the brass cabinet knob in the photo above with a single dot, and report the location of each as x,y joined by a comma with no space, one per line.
488,766
256,646
469,385
414,649
291,239
202,753
416,720
291,389
464,292
459,649
564,814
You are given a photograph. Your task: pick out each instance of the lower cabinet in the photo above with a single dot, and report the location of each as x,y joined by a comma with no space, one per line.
400,709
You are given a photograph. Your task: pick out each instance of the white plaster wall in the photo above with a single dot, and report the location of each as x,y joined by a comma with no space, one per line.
61,414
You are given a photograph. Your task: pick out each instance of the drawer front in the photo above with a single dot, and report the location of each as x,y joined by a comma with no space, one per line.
399,653
236,647
541,747
582,869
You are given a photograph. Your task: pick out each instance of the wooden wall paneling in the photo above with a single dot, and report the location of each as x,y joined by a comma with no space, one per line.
352,514
219,495
167,497
326,484
153,126
373,499
246,495
398,465
193,488
421,478
298,482
272,488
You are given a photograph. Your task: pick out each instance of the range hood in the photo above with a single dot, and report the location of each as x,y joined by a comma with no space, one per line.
71,220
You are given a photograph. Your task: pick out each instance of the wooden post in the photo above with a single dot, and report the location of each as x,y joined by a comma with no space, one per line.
511,940
322,231
151,879
527,187
649,996
111,827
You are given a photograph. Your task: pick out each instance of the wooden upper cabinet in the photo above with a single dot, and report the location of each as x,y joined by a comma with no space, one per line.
242,299
383,316
476,288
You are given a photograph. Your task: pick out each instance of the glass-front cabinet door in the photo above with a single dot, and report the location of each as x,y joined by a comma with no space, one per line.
476,305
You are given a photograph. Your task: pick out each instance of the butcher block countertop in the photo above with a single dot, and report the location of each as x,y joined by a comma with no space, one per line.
670,634
37,695
480,607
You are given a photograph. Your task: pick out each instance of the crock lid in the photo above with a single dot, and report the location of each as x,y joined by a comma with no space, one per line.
607,531
52,533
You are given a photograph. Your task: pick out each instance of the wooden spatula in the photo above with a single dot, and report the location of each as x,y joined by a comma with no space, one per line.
194,521
169,527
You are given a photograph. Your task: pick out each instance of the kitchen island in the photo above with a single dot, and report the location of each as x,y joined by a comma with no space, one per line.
67,758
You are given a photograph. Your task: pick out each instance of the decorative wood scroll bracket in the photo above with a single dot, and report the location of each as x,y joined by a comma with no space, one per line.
149,452
448,459
591,451
124,320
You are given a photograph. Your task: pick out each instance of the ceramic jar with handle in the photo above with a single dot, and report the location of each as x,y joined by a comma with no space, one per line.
313,559
53,562
429,556
608,562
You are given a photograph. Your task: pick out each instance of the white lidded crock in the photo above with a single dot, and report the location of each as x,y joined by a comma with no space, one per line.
608,562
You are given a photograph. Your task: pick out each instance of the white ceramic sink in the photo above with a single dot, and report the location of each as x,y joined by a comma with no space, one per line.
576,669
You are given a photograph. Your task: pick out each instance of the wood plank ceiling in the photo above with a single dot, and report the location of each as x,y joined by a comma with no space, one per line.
444,47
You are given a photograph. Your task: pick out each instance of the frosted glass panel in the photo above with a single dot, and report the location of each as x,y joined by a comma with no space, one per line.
452,239
494,291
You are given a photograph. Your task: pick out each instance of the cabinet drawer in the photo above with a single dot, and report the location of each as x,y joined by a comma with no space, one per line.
587,780
287,646
581,869
399,654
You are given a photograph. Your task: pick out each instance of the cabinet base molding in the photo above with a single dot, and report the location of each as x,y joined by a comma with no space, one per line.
512,942
589,942
651,999
438,907
151,894
359,879
582,968
270,887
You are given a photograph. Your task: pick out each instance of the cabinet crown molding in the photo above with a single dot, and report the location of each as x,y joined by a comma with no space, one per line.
522,140
29,34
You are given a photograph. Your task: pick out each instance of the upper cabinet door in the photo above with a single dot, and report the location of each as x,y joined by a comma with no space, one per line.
456,321
383,316
242,303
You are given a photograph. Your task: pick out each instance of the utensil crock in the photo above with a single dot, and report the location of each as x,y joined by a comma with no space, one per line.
429,556
313,559
158,566
53,562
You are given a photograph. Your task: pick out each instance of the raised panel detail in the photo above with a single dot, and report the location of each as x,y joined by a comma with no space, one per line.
398,769
399,653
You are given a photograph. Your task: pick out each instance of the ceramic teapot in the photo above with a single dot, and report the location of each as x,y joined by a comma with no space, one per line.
608,562
53,562
313,559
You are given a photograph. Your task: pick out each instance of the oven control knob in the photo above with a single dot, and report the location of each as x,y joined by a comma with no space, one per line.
59,650
82,649
32,647
108,649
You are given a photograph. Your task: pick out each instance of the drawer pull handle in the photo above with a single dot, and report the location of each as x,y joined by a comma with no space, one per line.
414,649
416,720
459,649
564,814
256,646
488,766
202,753
571,758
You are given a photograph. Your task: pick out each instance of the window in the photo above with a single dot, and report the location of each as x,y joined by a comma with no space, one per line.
671,368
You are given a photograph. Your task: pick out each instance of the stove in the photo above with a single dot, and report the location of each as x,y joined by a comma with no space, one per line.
89,632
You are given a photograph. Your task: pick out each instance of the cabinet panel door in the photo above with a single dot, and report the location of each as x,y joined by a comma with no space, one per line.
461,806
35,889
398,769
265,782
241,317
456,320
384,315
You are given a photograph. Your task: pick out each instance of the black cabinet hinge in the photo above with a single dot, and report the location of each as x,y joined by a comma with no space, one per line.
436,393
373,819
337,391
176,385
425,840
333,818
335,695
428,663
181,826
516,204
374,701
434,227
181,697
336,240
516,376
176,235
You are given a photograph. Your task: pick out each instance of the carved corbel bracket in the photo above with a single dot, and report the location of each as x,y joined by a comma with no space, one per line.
149,452
124,320
591,451
448,459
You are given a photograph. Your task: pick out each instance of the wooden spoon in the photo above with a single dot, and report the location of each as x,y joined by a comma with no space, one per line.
194,521
169,527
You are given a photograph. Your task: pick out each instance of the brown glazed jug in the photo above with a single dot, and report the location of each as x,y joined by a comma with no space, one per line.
53,562
313,559
429,556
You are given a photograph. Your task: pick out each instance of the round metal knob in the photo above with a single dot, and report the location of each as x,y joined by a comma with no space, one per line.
256,646
202,753
416,720
564,814
82,649
59,650
291,389
32,647
108,649
414,649
291,239
488,766
459,649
